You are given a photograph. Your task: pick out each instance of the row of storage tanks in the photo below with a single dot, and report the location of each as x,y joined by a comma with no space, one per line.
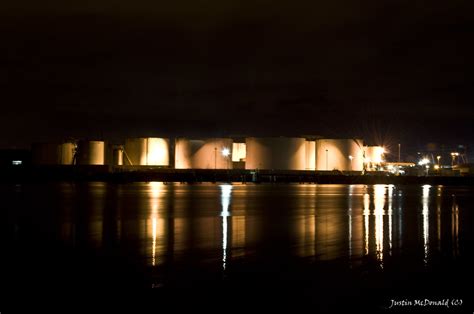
278,153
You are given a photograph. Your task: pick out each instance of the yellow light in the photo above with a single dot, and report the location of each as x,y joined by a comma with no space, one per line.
436,167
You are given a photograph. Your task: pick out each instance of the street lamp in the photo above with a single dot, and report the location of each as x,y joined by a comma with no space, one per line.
438,157
226,153
327,168
350,158
215,158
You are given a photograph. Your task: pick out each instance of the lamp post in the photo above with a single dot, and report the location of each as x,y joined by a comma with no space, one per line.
327,168
215,158
438,158
399,152
350,158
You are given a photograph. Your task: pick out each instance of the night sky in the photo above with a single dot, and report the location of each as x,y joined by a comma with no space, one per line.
389,71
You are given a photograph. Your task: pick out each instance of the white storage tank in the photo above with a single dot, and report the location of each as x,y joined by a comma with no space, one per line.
117,157
310,153
339,154
66,152
90,152
279,153
210,153
148,151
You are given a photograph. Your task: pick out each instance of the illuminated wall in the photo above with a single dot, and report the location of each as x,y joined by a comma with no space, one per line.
66,153
373,156
310,151
90,153
281,153
239,152
117,158
147,151
203,153
339,154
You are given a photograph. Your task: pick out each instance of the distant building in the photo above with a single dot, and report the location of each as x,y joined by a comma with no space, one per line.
14,157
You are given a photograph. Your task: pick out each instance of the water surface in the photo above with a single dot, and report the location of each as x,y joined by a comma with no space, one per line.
329,245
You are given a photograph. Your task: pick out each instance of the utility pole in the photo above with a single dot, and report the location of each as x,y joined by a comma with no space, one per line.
399,151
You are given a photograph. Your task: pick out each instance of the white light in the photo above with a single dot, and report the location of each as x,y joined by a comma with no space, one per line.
424,161
225,152
16,162
226,193
350,157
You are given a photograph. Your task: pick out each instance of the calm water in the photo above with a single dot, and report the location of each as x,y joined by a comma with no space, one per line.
326,246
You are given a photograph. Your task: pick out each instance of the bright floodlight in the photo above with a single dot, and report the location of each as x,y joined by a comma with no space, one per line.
424,161
225,152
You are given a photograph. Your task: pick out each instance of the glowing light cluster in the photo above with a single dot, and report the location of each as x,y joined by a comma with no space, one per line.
423,162
377,155
225,152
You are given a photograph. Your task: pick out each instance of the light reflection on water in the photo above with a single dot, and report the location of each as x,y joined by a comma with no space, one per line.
426,222
220,223
226,190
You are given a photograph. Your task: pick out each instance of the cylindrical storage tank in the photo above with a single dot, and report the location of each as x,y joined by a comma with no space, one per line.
310,153
90,152
183,153
339,154
45,153
66,153
148,151
210,153
117,158
279,153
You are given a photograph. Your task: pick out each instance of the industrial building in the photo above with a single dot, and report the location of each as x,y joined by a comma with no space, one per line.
90,152
339,154
83,152
256,153
210,153
239,152
145,151
310,155
54,153
279,153
373,157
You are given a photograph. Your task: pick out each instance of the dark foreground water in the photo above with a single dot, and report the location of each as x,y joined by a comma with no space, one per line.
316,248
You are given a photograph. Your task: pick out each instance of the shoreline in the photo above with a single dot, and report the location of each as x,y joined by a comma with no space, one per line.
147,174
